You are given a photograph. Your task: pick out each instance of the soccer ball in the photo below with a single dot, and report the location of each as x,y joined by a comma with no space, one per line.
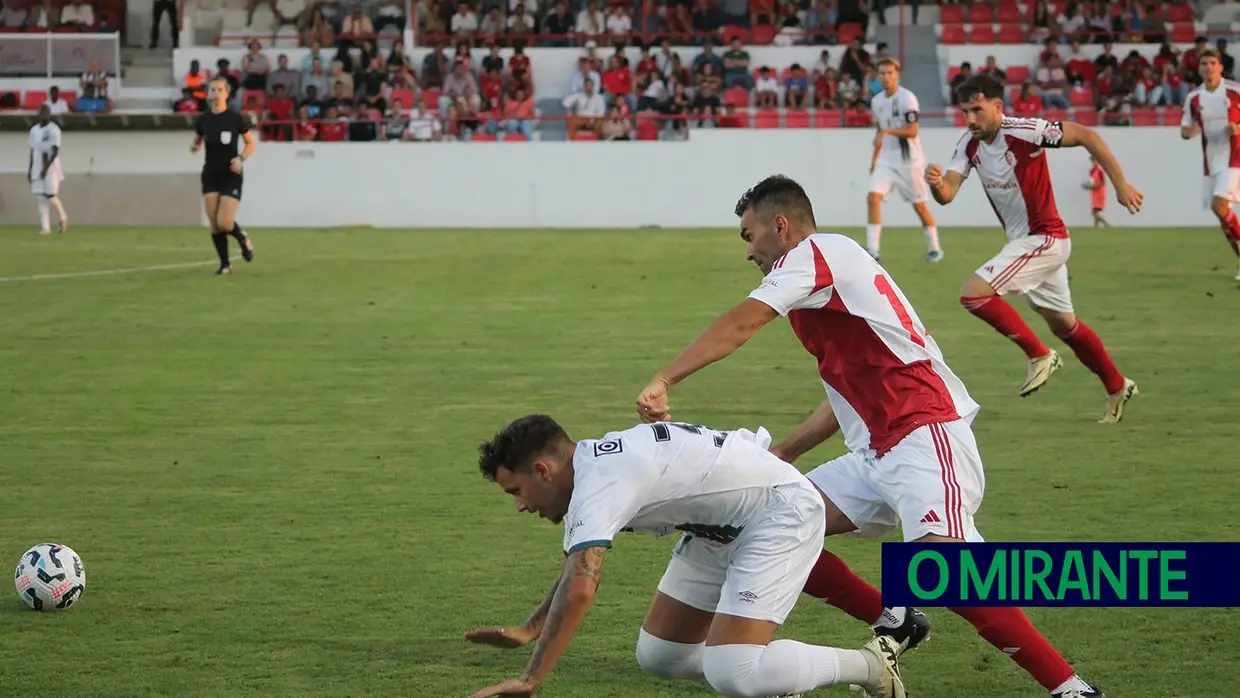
50,577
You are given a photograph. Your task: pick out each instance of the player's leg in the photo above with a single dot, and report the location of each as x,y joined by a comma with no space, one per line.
1005,273
1222,191
671,639
1052,299
52,189
881,182
766,572
913,184
40,197
226,216
211,204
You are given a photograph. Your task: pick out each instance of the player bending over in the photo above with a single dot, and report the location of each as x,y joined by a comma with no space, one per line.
752,528
905,416
898,159
45,151
1210,111
220,129
1009,155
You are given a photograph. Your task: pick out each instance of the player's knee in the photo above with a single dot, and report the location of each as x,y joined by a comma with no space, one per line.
730,673
668,660
873,198
1221,207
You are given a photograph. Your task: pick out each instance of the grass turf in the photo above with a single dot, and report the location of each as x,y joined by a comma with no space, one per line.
272,480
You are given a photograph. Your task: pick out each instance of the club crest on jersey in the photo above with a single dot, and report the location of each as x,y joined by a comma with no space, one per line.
1010,158
976,160
1052,135
603,448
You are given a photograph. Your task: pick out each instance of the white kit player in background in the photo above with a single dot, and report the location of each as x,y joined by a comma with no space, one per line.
898,161
1010,157
44,170
1213,112
752,529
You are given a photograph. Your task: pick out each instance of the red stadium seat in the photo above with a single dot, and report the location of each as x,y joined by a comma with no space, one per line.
730,32
1183,33
959,120
1170,116
952,72
828,118
480,137
763,35
70,97
1085,116
952,33
736,96
581,136
34,99
405,97
515,137
768,118
982,33
951,14
849,31
1017,74
1144,116
430,99
1081,97
980,13
1009,12
253,98
1055,114
1011,34
1179,12
796,118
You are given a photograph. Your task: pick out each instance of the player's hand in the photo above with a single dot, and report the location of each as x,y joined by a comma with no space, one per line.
235,165
652,403
1129,197
934,175
512,688
502,637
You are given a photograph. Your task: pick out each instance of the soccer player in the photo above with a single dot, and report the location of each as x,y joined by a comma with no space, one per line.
1209,112
905,416
220,129
898,159
752,527
45,179
1096,185
1010,155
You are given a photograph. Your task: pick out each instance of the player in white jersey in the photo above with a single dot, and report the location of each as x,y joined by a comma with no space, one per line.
898,159
1213,112
751,529
1010,157
904,414
44,172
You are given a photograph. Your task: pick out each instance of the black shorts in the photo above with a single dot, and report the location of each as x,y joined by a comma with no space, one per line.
222,183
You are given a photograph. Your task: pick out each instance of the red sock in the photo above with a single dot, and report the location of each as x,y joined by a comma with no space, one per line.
1088,347
832,581
1231,228
1009,630
1000,315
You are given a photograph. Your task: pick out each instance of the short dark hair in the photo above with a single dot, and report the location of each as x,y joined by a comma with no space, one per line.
1209,53
517,445
779,192
983,85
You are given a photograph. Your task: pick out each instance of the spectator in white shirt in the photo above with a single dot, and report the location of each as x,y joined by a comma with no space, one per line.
12,15
586,110
590,21
54,102
77,13
619,23
464,22
531,5
493,24
521,21
583,75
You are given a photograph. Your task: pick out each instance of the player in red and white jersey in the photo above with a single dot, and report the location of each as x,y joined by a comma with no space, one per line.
905,416
1009,156
1213,112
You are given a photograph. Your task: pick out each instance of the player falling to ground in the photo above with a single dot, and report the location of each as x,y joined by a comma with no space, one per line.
898,159
44,172
905,416
1009,155
220,129
1213,112
1096,184
752,527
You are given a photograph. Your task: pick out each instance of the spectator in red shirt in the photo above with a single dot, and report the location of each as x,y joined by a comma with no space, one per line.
308,129
1192,58
1080,68
188,104
827,90
1166,54
334,128
1026,103
647,63
858,116
618,84
519,69
492,86
1134,63
519,113
280,109
1170,87
1146,91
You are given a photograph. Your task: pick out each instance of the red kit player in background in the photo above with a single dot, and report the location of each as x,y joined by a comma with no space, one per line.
1213,112
905,416
1009,156
1096,183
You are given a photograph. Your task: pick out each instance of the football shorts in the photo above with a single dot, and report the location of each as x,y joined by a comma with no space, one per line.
909,180
1034,266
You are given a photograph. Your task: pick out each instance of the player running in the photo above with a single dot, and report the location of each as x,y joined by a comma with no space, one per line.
220,130
1213,112
1010,157
905,416
898,159
45,153
752,528
1096,184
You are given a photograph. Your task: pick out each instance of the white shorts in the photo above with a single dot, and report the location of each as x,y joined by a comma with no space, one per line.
1036,267
48,186
1224,185
759,575
909,180
930,483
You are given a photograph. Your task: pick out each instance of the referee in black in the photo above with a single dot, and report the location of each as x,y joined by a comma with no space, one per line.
220,129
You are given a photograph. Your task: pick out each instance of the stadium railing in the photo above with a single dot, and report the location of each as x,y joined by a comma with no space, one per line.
52,55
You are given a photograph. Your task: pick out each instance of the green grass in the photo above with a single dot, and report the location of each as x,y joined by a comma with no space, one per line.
272,480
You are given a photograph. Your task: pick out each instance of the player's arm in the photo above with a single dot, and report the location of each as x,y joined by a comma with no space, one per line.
1075,135
818,427
910,129
944,184
30,166
246,152
574,594
1189,127
198,139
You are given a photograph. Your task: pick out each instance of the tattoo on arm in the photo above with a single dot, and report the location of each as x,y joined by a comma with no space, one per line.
581,575
539,616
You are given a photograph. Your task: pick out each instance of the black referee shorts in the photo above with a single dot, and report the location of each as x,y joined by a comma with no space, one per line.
227,183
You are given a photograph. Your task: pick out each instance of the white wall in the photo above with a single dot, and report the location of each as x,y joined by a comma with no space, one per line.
596,185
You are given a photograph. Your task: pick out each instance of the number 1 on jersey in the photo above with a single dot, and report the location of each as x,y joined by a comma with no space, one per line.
884,287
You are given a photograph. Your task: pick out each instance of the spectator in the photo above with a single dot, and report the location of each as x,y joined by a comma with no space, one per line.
77,14
1192,58
338,77
335,127
287,13
94,87
1155,24
1146,90
872,85
676,109
395,125
373,86
595,61
519,113
1166,54
458,84
708,56
1073,24
252,104
493,61
285,77
591,22
1172,88
391,14
855,60
767,89
709,89
618,84
423,126
679,73
432,22
13,15
464,22
993,70
434,68
646,62
1041,22
1229,62
882,50
468,109
196,82
966,72
650,21
188,104
320,32
400,67
585,73
705,21
680,24
519,70
858,116
619,25
1134,62
1052,83
55,103
356,27
827,90
521,21
821,20
558,24
341,100
315,52
316,78
280,108
312,102
850,91
491,86
493,25
736,67
1080,69
616,127
585,108
791,28
654,91
823,64
664,59
1026,103
1105,60
1050,47
1098,23
796,87
366,56
1116,111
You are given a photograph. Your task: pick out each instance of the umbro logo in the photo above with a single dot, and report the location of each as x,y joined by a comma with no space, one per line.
748,596
931,517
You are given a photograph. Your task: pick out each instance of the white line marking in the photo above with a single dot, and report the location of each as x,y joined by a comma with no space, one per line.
106,272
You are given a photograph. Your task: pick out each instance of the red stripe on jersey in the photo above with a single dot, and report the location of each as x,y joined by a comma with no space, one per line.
1018,123
1034,179
1233,117
1194,108
951,485
822,272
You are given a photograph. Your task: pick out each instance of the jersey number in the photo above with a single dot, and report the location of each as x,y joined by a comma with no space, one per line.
884,287
662,433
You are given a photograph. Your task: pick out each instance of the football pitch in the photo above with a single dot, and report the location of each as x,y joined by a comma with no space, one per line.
272,477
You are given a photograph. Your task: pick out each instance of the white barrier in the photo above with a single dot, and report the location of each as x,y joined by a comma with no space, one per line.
623,185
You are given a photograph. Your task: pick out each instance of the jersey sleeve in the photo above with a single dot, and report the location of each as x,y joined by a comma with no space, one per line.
910,107
793,280
54,141
1040,132
604,500
1186,115
961,164
243,124
198,126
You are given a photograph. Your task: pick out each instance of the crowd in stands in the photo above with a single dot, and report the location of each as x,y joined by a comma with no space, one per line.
1007,22
57,16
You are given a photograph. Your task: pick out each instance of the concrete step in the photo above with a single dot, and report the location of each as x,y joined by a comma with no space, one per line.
149,76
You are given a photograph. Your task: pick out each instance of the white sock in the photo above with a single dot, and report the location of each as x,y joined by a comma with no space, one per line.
872,233
1075,682
44,215
932,238
891,618
667,659
60,208
782,667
